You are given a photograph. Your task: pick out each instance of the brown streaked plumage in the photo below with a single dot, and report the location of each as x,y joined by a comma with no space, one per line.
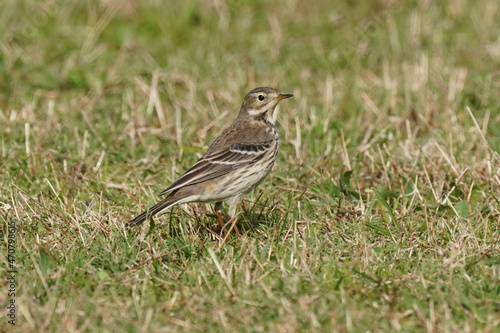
236,162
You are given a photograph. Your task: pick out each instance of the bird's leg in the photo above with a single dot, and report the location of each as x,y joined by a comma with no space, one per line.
231,222
233,202
218,208
233,225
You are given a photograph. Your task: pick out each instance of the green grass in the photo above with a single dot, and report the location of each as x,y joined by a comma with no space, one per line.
383,210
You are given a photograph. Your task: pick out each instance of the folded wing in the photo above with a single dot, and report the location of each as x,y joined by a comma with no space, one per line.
218,163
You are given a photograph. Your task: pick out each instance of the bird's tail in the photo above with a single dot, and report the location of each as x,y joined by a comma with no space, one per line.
151,211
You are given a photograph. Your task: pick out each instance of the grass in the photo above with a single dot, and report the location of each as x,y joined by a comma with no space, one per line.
381,214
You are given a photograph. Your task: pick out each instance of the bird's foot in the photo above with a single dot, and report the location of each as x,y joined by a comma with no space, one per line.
226,228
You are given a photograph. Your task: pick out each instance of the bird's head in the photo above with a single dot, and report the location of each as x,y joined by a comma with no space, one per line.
261,102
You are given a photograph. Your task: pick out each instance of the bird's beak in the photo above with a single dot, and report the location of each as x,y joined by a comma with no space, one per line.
282,96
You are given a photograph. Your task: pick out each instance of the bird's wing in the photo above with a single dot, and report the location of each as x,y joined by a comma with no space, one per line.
218,163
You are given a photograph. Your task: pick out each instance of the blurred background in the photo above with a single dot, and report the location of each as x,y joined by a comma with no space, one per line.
103,75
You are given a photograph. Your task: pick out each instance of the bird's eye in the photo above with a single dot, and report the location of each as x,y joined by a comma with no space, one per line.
261,97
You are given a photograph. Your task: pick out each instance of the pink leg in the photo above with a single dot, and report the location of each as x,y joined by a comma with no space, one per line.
233,225
218,207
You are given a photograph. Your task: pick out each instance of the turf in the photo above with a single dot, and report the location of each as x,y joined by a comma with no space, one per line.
382,213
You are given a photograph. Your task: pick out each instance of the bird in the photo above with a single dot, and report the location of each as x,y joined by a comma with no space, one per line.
234,164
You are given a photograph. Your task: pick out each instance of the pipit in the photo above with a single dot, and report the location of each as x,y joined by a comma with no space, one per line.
236,162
